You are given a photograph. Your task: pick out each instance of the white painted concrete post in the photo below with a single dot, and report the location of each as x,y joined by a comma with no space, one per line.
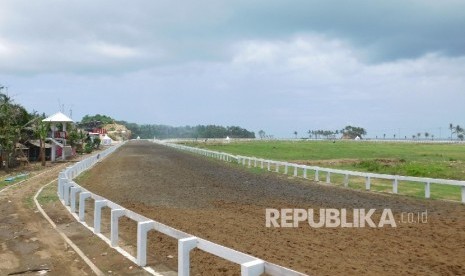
255,162
74,191
115,215
427,190
367,183
243,161
82,204
269,166
395,186
66,187
249,164
253,268
285,168
261,164
346,180
295,171
305,172
61,186
328,177
184,248
142,229
463,194
316,176
277,167
61,179
98,205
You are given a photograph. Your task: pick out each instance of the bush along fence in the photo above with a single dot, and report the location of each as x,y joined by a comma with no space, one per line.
72,194
304,170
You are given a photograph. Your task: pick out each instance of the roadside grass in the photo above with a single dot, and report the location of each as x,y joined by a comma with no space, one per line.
4,183
446,161
48,194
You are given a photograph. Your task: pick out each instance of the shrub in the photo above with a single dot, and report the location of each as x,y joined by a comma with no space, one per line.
97,142
88,148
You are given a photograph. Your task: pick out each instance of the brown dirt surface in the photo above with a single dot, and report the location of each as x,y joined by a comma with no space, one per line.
29,243
226,203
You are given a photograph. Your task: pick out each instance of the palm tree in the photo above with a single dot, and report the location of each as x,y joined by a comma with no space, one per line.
451,127
418,135
295,133
41,131
426,135
432,137
458,130
394,137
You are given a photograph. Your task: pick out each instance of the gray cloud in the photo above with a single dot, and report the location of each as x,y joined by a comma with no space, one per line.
280,66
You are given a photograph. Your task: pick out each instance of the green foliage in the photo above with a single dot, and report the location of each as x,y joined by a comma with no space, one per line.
200,131
88,148
97,142
103,119
353,132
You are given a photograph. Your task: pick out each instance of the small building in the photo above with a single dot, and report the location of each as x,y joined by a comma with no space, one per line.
58,137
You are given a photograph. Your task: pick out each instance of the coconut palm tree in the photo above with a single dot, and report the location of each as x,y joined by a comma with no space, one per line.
451,127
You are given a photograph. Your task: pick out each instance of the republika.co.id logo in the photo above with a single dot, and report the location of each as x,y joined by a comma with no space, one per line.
332,218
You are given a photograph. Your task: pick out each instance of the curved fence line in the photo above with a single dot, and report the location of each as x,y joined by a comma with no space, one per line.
304,169
72,194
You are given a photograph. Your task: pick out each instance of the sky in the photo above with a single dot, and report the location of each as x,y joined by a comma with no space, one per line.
393,67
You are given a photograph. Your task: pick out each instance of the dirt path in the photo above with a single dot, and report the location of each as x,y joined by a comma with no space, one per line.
226,204
29,243
27,240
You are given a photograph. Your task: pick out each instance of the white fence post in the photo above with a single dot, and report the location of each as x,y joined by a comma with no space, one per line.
368,183
66,186
98,205
316,176
285,168
74,191
277,166
328,177
305,172
82,204
463,194
346,180
253,268
261,164
115,215
395,186
269,168
142,229
427,190
184,248
295,171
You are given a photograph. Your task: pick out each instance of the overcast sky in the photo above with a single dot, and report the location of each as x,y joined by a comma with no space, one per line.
393,67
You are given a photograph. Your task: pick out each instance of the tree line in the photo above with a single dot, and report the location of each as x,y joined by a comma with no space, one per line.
159,131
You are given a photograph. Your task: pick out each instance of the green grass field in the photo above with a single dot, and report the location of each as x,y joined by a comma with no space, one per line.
446,161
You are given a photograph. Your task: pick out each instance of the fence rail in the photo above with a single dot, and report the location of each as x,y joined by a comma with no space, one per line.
71,194
269,164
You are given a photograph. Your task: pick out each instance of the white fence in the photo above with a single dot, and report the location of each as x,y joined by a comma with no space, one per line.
70,193
304,169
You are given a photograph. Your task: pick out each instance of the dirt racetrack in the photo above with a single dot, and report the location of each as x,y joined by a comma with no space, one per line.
226,204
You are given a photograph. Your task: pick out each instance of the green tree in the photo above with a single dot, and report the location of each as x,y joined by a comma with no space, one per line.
13,118
41,131
352,131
